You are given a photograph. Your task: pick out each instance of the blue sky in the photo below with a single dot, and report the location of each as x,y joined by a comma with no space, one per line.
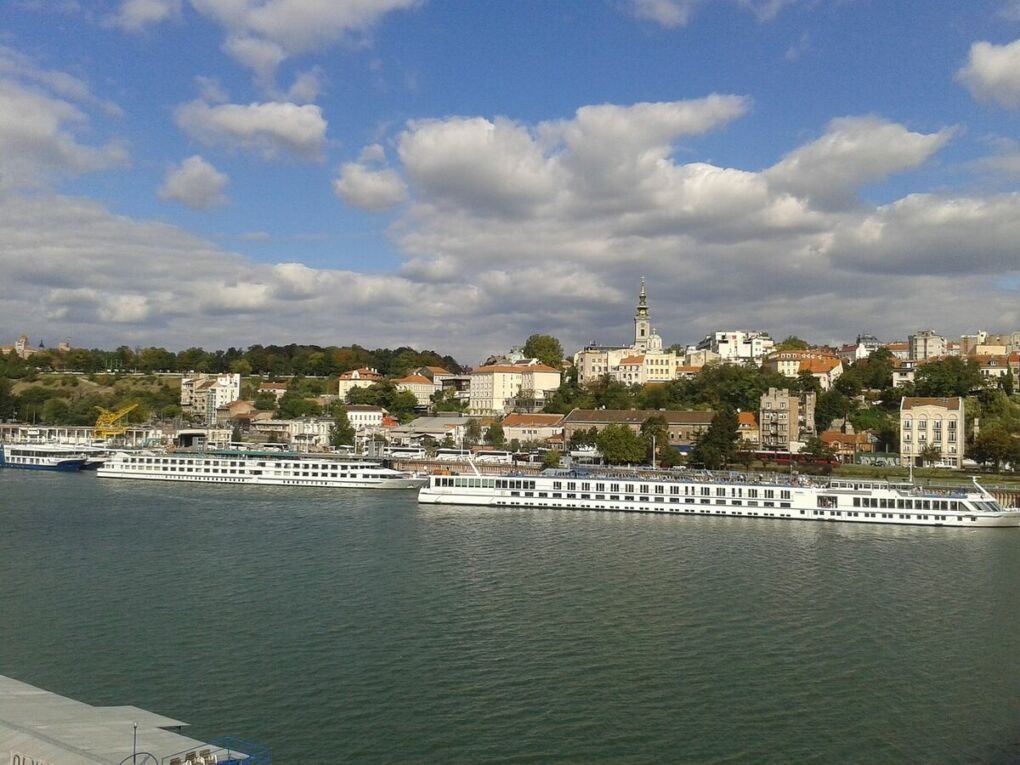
459,175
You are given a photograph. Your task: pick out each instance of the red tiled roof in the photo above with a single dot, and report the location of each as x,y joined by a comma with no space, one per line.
518,420
954,403
413,380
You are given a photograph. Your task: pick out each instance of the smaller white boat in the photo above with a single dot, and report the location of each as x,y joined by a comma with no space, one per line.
62,457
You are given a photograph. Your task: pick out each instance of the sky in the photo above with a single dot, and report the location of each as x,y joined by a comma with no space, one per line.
458,175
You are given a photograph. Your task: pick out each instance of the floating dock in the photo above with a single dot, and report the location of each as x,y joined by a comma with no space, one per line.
38,727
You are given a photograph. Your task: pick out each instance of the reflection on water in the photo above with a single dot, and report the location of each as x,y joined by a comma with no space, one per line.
359,627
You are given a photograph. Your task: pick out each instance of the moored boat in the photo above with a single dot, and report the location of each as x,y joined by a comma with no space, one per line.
769,496
32,456
253,466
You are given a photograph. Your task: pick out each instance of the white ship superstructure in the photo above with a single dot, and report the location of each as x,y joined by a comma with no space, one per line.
268,468
765,496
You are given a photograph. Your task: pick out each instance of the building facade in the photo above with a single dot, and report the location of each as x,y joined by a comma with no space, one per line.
738,346
501,388
786,419
932,422
926,345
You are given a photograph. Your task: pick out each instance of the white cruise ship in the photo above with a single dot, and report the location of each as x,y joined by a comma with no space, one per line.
267,468
766,496
38,456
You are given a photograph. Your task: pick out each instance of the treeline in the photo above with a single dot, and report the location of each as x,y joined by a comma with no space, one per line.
275,360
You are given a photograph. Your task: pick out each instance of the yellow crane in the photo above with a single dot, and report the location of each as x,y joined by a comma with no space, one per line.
109,423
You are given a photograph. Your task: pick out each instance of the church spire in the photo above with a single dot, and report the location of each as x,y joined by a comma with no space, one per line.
642,322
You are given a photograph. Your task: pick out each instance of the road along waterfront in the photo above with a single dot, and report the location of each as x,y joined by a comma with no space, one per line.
360,626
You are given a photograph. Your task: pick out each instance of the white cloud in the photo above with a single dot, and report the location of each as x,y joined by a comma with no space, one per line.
136,15
546,228
797,50
992,73
1004,160
306,87
666,13
1010,10
262,33
196,184
854,151
368,188
39,139
270,129
678,13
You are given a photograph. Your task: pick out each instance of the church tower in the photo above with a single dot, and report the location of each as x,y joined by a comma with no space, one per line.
642,324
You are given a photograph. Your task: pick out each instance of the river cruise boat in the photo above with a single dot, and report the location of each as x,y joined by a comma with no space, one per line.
770,496
34,456
266,468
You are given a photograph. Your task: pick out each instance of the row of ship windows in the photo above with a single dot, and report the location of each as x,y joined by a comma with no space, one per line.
632,498
235,471
907,504
628,488
818,513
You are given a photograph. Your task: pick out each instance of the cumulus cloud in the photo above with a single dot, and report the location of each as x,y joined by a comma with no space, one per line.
196,184
369,188
271,128
510,228
44,119
854,151
992,73
136,15
930,234
263,33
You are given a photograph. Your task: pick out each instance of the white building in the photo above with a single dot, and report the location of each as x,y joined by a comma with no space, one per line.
422,387
642,362
496,390
532,427
926,345
738,346
203,394
937,422
357,378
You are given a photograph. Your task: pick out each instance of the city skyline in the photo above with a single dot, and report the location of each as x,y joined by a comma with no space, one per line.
459,176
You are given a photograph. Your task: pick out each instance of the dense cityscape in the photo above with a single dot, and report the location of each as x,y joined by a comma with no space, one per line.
736,396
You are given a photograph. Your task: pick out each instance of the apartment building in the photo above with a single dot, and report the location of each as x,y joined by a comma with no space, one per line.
500,388
925,344
937,422
785,419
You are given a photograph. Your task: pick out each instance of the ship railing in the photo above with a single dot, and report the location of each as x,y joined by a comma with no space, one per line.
226,750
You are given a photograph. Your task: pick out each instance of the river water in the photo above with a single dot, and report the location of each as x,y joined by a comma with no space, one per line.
340,627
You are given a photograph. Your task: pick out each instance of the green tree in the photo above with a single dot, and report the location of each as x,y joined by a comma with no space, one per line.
472,432
240,367
816,447
655,432
8,402
930,454
546,349
830,406
949,377
551,459
717,446
293,405
618,444
993,446
494,436
265,402
1008,383
792,343
341,433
